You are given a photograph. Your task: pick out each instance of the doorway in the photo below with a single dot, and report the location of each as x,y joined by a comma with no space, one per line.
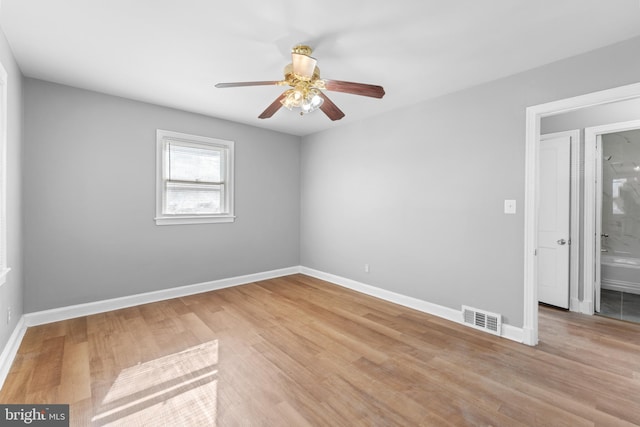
612,180
532,175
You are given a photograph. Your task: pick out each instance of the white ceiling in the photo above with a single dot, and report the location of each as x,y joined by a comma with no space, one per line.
172,52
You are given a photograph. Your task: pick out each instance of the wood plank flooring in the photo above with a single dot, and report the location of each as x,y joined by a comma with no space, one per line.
297,351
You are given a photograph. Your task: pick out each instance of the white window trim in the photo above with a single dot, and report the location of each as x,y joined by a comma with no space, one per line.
162,137
4,270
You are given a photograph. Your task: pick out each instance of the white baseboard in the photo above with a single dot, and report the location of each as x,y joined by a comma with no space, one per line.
63,313
508,331
11,349
516,334
587,307
70,312
575,305
529,336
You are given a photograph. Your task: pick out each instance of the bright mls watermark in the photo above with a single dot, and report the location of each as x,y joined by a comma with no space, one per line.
34,415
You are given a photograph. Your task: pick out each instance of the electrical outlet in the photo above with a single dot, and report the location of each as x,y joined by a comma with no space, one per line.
366,268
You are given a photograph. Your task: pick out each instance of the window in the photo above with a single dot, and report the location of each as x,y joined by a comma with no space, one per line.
617,199
3,176
194,179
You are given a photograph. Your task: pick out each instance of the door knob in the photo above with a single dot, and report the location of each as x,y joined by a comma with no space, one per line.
562,242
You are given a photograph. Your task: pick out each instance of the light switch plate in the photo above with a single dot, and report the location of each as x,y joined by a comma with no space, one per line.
510,206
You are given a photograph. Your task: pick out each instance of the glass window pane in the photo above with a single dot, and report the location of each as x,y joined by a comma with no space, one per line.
193,199
618,201
193,163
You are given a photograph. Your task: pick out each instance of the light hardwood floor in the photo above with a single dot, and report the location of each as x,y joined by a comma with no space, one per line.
298,351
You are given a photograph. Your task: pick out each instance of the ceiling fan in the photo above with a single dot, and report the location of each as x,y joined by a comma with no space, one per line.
303,76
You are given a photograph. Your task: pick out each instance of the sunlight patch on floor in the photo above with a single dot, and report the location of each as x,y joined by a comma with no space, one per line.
178,389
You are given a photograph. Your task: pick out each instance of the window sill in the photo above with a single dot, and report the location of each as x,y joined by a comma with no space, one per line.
3,275
181,220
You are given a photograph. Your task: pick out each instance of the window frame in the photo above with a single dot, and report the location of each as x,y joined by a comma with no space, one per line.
163,138
4,269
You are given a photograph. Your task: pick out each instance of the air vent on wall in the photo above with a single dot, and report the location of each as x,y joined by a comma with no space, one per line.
483,320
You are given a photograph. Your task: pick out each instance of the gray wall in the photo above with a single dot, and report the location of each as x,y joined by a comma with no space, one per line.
89,194
418,193
11,292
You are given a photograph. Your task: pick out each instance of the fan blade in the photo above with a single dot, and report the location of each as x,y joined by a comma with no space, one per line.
330,109
240,84
271,109
363,89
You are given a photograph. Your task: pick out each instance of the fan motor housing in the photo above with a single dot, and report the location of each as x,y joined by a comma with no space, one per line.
292,78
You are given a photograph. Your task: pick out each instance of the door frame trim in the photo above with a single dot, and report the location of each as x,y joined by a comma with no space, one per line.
592,173
574,212
532,146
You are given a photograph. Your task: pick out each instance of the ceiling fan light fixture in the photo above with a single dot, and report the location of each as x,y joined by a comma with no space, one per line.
303,96
293,98
306,93
303,65
311,102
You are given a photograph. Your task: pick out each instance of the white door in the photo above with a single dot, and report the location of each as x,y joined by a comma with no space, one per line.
553,220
